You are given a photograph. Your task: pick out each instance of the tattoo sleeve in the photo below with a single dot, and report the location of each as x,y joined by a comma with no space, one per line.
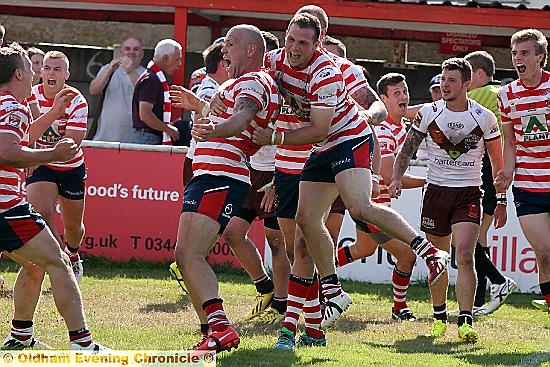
410,146
245,103
365,97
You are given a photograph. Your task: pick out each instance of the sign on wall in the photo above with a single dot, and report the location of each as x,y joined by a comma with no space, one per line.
457,43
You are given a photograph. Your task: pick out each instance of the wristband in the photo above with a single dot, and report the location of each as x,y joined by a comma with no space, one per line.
282,138
501,196
273,137
206,109
376,178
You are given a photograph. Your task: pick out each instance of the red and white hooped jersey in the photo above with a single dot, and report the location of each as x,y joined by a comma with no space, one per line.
319,85
75,118
455,141
391,136
291,159
354,79
228,156
528,110
15,119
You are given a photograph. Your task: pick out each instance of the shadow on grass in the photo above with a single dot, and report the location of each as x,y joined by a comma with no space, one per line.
507,359
260,357
167,307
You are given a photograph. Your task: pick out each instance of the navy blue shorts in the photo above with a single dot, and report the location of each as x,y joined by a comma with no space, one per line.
286,189
527,202
70,183
324,166
217,197
18,226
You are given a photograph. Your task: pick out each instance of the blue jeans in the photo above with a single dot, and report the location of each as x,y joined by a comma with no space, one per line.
145,136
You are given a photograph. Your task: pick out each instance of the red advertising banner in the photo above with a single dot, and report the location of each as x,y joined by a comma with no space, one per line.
133,204
456,43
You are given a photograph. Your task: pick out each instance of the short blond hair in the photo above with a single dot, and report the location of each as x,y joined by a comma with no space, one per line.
57,55
541,43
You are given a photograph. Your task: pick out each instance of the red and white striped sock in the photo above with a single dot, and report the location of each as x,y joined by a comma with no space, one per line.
297,292
400,281
217,319
22,329
82,337
331,287
423,247
312,311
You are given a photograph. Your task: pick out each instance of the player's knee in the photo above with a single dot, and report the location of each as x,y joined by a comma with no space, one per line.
33,272
543,258
465,257
360,211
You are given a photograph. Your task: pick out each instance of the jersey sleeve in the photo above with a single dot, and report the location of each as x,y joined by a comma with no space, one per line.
325,85
354,78
491,130
420,122
15,122
388,144
252,88
502,106
77,114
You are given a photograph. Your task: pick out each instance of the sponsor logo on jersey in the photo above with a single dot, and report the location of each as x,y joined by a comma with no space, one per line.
535,128
455,125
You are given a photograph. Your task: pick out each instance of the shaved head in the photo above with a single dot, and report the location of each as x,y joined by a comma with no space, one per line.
252,35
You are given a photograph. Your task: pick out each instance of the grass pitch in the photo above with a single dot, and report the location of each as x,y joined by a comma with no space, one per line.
136,306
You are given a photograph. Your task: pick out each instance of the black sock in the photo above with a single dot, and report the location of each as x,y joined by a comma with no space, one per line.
440,312
491,272
21,324
330,279
264,285
544,288
204,328
465,317
279,304
480,267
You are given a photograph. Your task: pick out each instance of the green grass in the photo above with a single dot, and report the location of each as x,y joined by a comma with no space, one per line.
137,306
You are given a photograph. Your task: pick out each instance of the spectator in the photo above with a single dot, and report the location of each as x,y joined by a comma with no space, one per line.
37,58
116,81
151,105
435,87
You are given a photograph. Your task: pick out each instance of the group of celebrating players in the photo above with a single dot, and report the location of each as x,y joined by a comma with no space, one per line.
296,136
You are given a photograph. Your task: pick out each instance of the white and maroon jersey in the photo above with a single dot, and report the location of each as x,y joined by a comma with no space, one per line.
228,156
319,85
354,79
264,159
206,90
455,142
391,136
15,119
75,118
528,110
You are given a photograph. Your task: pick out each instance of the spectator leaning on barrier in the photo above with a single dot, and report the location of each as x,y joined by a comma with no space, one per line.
151,104
117,81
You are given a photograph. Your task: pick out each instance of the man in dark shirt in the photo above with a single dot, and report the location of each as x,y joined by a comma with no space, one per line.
150,103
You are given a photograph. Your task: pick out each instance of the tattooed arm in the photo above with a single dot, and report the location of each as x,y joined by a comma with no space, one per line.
410,146
243,113
375,110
